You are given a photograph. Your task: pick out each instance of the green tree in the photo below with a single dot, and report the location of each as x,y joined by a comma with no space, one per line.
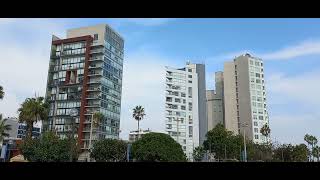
4,128
48,148
283,153
31,111
198,153
300,153
316,152
157,147
138,114
312,141
265,131
1,92
223,143
262,152
111,150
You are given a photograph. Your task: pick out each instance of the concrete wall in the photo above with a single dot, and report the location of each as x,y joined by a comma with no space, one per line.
99,29
203,123
244,95
214,109
230,107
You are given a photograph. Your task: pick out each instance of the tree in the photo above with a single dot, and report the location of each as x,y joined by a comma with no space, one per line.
48,148
97,118
198,153
312,141
265,131
31,111
262,152
157,147
4,128
300,153
223,143
316,152
138,114
1,92
283,153
111,150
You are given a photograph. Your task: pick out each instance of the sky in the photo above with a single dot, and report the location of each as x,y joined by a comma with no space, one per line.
290,49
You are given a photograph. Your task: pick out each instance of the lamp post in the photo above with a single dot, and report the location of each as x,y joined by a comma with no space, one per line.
73,114
244,141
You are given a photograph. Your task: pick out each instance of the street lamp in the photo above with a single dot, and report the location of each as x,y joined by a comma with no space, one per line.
73,113
244,140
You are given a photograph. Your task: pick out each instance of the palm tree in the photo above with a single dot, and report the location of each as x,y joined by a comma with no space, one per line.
31,111
316,152
97,118
4,128
311,140
265,131
138,114
1,92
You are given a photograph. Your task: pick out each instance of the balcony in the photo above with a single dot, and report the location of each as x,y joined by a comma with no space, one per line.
94,97
95,74
96,59
97,51
95,66
94,81
93,89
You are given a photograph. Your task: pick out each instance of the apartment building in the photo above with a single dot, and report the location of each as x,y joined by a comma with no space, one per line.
245,101
215,105
186,116
84,77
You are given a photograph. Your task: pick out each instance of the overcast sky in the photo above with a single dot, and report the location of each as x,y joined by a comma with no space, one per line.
289,47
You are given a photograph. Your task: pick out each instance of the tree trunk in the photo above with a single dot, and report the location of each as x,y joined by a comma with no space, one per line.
29,130
138,127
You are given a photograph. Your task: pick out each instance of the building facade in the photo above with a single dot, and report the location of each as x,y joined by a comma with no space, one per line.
215,104
245,97
85,73
135,135
18,130
186,116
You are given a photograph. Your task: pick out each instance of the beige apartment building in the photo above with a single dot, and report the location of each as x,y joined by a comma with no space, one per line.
240,89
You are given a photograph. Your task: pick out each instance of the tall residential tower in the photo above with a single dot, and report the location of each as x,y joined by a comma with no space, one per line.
186,116
245,97
215,105
85,73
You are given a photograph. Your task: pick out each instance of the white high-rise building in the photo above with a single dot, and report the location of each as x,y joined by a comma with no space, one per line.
245,97
186,116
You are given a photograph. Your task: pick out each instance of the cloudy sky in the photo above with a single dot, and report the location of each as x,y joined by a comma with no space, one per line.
289,47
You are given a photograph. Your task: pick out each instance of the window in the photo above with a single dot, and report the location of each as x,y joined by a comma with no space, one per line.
257,63
183,94
254,98
258,81
184,101
257,75
184,141
251,62
190,92
189,70
190,131
252,80
256,130
189,76
190,106
169,126
255,117
255,123
177,100
256,136
252,74
260,117
189,81
254,104
183,107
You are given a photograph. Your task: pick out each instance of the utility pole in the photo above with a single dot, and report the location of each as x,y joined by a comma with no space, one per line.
73,114
90,137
